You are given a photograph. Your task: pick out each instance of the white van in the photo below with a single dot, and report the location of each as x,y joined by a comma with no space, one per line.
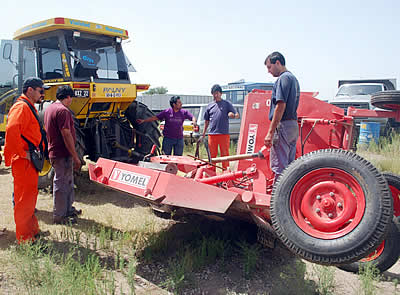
192,134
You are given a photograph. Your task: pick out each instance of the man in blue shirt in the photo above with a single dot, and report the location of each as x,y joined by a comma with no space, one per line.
217,116
283,130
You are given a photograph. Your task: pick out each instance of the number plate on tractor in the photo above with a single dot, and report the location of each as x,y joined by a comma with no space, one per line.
81,92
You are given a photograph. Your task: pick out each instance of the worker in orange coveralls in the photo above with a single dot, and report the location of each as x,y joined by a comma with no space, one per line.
22,122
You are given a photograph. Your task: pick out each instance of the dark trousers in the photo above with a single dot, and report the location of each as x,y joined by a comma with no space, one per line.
63,186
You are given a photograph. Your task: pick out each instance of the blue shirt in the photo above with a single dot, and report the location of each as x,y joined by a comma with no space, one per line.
173,127
286,89
217,114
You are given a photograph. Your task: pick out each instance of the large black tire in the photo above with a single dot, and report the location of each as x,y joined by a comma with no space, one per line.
384,257
389,100
148,133
331,207
394,186
46,176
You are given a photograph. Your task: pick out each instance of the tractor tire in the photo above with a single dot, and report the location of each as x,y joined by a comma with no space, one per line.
331,207
393,181
389,100
46,176
388,252
148,133
384,257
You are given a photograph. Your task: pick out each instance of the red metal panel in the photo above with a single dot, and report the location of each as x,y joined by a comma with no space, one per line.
320,124
160,186
187,193
125,177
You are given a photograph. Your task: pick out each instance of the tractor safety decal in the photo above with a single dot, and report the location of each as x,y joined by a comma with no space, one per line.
130,178
251,138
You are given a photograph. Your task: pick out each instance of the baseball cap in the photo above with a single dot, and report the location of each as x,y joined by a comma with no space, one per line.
34,82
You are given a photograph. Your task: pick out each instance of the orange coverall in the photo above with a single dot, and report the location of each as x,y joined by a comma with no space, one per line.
22,121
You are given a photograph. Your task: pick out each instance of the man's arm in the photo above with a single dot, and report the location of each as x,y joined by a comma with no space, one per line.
278,113
206,123
150,119
69,143
194,121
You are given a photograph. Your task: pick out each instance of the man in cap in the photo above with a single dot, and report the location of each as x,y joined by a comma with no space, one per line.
217,117
63,156
23,123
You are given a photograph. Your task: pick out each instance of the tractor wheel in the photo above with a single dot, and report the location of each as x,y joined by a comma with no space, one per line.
389,100
388,252
148,133
385,256
46,176
331,207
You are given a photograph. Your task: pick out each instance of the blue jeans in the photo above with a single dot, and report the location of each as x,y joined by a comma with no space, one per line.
283,149
173,143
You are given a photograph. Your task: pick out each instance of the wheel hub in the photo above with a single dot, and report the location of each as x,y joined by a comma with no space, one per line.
327,206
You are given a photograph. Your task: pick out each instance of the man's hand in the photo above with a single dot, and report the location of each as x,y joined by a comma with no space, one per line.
77,163
233,116
200,139
268,139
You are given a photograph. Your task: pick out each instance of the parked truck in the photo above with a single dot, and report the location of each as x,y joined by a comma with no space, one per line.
357,93
88,57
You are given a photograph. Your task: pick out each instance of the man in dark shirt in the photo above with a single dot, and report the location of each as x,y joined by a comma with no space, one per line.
283,130
173,127
63,156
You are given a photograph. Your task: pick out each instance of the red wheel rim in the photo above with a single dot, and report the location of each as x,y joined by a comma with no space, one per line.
396,206
327,203
374,255
396,200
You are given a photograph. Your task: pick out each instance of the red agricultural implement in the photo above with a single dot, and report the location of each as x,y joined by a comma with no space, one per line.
330,206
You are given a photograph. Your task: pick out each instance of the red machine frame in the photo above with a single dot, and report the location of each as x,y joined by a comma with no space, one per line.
323,206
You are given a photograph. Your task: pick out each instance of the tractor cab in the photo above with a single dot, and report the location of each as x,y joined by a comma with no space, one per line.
89,58
86,55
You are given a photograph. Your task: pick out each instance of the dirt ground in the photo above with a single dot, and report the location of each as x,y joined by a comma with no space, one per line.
281,272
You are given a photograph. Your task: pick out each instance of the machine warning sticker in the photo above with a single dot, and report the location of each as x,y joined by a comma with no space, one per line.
130,178
251,139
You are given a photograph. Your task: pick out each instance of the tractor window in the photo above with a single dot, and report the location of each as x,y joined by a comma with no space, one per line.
100,58
50,57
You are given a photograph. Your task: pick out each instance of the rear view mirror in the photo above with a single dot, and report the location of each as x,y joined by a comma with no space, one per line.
7,51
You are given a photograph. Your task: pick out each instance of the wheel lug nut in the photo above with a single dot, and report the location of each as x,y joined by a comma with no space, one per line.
330,215
340,205
331,194
317,210
318,197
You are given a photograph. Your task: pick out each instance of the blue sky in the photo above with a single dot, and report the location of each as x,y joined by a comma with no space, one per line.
187,46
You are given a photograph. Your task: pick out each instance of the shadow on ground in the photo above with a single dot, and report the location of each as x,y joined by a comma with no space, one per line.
276,271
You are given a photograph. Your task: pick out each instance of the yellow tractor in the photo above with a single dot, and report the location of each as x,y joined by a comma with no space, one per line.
88,57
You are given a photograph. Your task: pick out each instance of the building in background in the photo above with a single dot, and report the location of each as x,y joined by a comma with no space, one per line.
159,102
236,91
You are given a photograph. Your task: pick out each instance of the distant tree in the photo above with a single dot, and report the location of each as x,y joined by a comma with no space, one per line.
157,90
